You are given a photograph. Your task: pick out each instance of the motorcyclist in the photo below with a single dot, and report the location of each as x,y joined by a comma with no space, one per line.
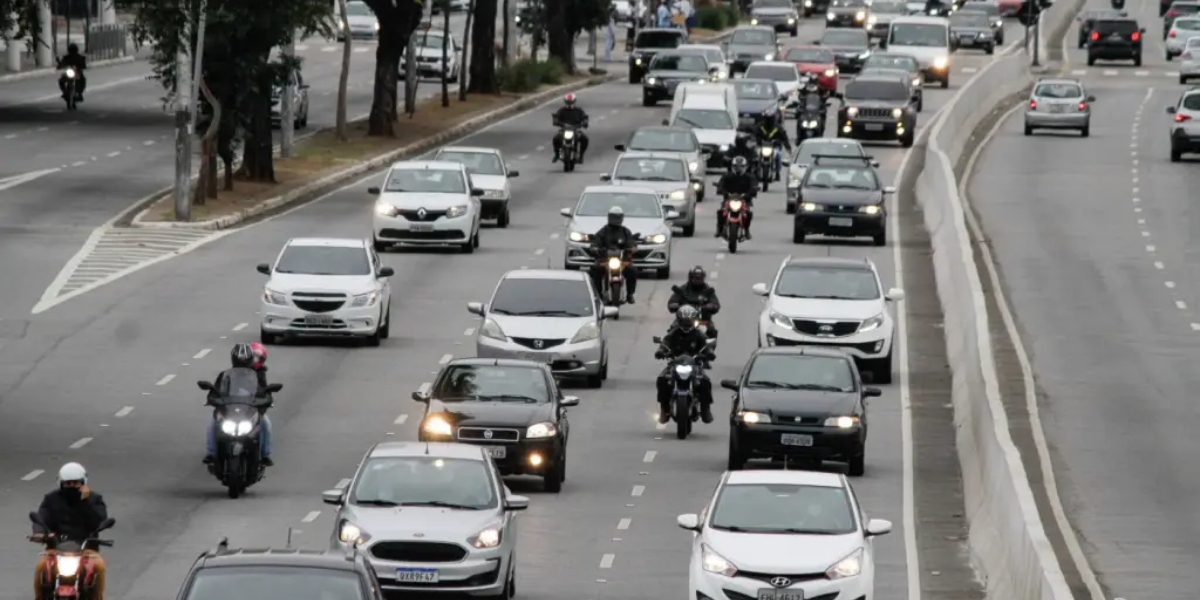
73,59
697,293
739,181
244,356
570,114
771,132
743,148
615,236
72,512
684,339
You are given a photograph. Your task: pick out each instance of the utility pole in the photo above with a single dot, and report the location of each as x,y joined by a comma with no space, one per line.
1037,39
287,112
183,127
198,67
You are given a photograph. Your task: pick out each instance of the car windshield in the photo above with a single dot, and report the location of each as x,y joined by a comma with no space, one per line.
658,39
1187,24
702,118
1058,90
432,40
876,90
854,39
752,37
848,3
889,8
783,508
755,90
822,176
712,55
918,34
1190,102
635,205
274,583
665,140
323,260
425,481
358,9
807,149
426,181
650,169
776,72
773,4
830,283
680,62
477,163
969,19
809,55
884,61
542,298
800,372
492,383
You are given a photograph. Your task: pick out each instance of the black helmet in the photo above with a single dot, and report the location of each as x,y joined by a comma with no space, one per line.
72,48
739,165
696,276
685,318
616,216
741,140
241,356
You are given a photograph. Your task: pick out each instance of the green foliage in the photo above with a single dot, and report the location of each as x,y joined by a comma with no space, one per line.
584,15
717,17
526,75
23,14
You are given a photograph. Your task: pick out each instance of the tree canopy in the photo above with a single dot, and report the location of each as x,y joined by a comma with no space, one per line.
566,19
23,14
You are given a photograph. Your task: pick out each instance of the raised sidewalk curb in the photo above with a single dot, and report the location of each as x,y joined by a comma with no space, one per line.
1008,544
43,71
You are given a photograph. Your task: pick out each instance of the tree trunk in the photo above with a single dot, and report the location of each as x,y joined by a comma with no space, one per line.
483,48
206,183
462,78
340,128
561,42
387,67
446,54
258,156
507,34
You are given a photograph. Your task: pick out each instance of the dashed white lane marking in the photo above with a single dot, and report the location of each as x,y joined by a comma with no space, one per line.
1109,73
714,275
1151,248
114,154
361,50
11,136
540,148
341,485
201,354
329,49
624,524
81,442
310,517
1195,326
638,490
240,326
606,561
1158,265
649,457
1141,73
166,379
400,420
1171,284
1145,234
1181,305
554,236
124,412
445,359
30,476
78,163
43,129
969,69
469,332
720,256
539,251
149,143
523,157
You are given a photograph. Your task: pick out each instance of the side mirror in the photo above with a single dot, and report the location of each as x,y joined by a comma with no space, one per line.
620,147
787,161
274,387
1170,110
656,339
875,163
760,289
421,396
610,312
332,497
265,269
891,189
566,212
606,177
476,192
374,191
512,174
569,401
729,384
205,385
672,215
872,392
714,70
690,522
878,527
895,295
516,503
475,308
666,122
386,272
1091,98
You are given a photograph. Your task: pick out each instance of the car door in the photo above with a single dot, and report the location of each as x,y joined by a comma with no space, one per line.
474,201
384,282
736,404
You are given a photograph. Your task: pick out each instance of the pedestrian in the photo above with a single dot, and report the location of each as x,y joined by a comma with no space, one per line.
689,14
610,35
664,14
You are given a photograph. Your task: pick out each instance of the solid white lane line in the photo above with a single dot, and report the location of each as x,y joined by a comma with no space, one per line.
81,442
649,457
201,354
638,490
1181,305
606,561
166,380
469,332
240,326
445,359
400,420
310,517
341,485
624,524
124,412
30,476
149,143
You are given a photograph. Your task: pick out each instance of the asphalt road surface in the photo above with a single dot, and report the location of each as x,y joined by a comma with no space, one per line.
1096,241
108,379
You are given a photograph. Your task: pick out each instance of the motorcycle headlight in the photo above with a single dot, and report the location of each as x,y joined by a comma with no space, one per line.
810,207
68,566
677,195
539,431
781,320
367,299
810,124
874,322
850,566
735,205
270,296
793,181
830,15
385,209
940,62
754,418
724,147
658,238
488,538
437,425
349,533
614,264
897,113
567,135
715,563
841,422
766,152
684,371
491,329
807,3
71,75
870,209
456,211
852,111
588,332
769,56
860,15
577,236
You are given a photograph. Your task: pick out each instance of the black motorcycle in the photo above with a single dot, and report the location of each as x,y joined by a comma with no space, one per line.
768,164
685,403
240,409
70,573
68,80
704,324
570,146
810,125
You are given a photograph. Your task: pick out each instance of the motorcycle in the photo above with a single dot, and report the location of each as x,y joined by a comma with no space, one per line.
69,78
685,406
70,573
735,211
237,462
810,125
570,147
768,165
704,323
612,285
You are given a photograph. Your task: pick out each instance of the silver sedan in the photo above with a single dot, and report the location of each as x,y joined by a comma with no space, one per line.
1059,104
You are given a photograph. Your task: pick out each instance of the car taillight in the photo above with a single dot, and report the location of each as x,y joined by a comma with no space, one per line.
1171,15
1181,118
1172,34
1082,106
1095,35
1135,36
1033,105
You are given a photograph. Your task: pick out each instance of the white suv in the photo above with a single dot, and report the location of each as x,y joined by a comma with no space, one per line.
1185,125
332,287
835,302
430,203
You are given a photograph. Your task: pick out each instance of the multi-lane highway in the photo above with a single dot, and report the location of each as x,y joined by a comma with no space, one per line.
1095,240
108,379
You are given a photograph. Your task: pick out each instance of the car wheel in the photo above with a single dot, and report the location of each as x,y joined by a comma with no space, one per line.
1183,80
1168,55
1091,60
881,370
858,465
1086,131
793,32
689,230
385,328
663,272
502,220
990,50
475,239
648,100
1176,156
267,339
737,458
1137,60
556,475
1028,130
797,235
946,82
908,139
790,208
595,381
880,239
510,584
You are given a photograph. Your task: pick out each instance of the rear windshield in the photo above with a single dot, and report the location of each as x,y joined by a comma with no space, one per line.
680,62
1058,90
1188,24
1185,9
658,39
1121,27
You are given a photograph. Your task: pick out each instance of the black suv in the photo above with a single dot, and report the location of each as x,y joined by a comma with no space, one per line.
262,573
1087,20
878,107
1115,38
647,45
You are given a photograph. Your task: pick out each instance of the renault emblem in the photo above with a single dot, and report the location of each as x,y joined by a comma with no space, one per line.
825,328
487,434
781,582
538,344
421,213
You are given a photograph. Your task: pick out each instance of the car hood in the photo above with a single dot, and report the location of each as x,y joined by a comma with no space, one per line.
541,328
715,136
776,553
883,17
847,50
773,12
423,200
804,67
346,284
756,106
657,186
489,182
786,87
824,309
793,402
645,227
673,74
420,523
843,197
860,104
758,49
846,10
494,414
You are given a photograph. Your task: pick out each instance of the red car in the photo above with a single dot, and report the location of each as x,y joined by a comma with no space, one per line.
816,60
1009,8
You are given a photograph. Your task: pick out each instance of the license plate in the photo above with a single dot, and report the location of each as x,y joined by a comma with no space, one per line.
420,228
774,594
874,127
496,452
795,439
318,320
841,222
1057,108
542,358
418,576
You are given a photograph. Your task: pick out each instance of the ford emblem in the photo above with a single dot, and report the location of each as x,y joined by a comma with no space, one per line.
421,213
781,582
538,344
487,434
825,328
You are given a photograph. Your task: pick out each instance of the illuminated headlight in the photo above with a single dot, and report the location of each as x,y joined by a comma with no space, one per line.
852,111
68,566
456,211
751,417
491,329
860,15
539,431
345,26
850,566
71,75
735,205
810,207
696,186
488,538
677,195
873,323
781,320
830,16
724,148
614,263
586,333
693,166
768,151
437,425
367,299
715,563
807,3
684,371
871,20
870,209
769,56
865,55
940,62
236,428
917,82
810,125
376,26
658,238
518,19
385,209
705,80
791,20
830,72
897,113
567,135
841,422
637,61
578,236
270,296
754,21
349,533
793,181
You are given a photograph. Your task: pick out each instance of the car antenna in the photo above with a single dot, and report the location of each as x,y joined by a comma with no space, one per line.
289,539
427,448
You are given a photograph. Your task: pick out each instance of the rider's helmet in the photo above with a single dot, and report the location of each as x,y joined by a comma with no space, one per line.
742,140
569,100
696,277
260,355
685,318
616,217
241,356
739,165
72,48
72,473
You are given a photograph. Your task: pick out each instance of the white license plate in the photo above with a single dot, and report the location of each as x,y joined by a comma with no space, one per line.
774,594
496,451
318,320
841,222
541,358
1057,108
795,439
874,127
420,228
416,575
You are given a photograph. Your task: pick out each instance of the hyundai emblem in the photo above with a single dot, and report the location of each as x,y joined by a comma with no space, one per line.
826,328
487,434
781,582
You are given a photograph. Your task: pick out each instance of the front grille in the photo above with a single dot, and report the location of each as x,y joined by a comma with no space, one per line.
865,347
414,215
874,113
318,306
641,254
796,578
835,208
419,552
534,342
428,236
740,596
480,434
426,59
797,420
829,328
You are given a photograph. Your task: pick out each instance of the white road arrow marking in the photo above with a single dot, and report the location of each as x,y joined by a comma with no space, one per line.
15,180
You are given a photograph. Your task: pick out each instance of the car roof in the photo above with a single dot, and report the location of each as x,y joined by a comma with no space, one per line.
328,242
437,449
1121,19
919,20
829,261
276,557
699,47
1059,80
800,351
556,274
618,189
778,476
883,72
704,101
878,75
752,80
496,362
772,63
478,149
840,142
412,165
655,155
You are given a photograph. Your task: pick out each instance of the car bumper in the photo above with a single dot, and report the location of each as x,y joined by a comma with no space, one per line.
874,130
291,320
399,230
1113,52
779,23
976,42
644,258
848,65
1043,120
828,443
711,586
843,21
715,158
841,224
867,345
492,205
479,574
1189,68
1185,141
1175,45
580,359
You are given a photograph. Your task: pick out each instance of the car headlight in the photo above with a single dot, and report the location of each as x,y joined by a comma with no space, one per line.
677,195
488,538
860,15
767,151
735,205
658,238
841,422
437,425
810,124
830,15
793,181
897,113
349,533
684,371
491,329
376,26
874,322
871,20
752,418
385,209
807,3
870,209
852,111
456,211
367,299
578,236
614,264
724,148
68,566
791,20
865,55
588,332
780,320
567,135
850,566
715,563
940,62
693,165
539,431
649,81
770,56
270,296
810,207
637,61
917,82
830,72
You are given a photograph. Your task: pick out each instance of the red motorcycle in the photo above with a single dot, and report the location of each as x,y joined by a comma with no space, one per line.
734,209
70,572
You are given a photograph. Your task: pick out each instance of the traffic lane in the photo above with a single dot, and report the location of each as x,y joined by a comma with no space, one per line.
1166,191
1153,49
1079,276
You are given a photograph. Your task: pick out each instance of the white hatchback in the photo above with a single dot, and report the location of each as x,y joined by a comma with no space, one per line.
427,203
1189,61
779,535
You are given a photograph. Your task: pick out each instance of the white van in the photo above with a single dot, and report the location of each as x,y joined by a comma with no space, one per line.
713,119
926,39
694,89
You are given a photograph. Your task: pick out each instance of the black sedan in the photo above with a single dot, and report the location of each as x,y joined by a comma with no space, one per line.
513,408
851,48
841,200
799,403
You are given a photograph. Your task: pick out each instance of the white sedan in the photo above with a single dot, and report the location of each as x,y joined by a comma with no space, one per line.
783,535
489,173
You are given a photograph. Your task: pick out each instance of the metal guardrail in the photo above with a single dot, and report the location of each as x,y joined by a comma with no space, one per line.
106,42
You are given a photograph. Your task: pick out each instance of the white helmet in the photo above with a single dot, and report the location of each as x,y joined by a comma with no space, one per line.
72,472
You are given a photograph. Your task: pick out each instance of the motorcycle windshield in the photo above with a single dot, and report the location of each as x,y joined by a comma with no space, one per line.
238,386
65,546
239,412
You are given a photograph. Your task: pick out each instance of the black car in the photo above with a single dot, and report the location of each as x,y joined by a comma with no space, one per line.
749,44
901,62
668,70
1118,38
847,13
1178,9
878,107
973,30
799,403
839,197
1087,20
918,96
851,47
992,11
780,14
757,98
812,7
647,44
514,408
291,573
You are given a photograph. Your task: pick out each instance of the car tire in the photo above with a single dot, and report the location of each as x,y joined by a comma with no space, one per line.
1091,60
663,272
475,240
467,247
556,475
793,32
1028,130
857,465
1168,56
385,328
503,220
689,230
790,208
375,339
737,458
946,82
908,139
990,50
1137,60
1086,131
1176,155
880,239
596,381
648,100
1183,80
510,584
604,368
267,339
881,370
797,235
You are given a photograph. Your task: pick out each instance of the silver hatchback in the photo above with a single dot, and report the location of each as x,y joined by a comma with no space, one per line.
1059,104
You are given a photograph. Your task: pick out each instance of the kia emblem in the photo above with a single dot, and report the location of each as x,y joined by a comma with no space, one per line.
781,582
538,344
421,212
487,434
825,328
